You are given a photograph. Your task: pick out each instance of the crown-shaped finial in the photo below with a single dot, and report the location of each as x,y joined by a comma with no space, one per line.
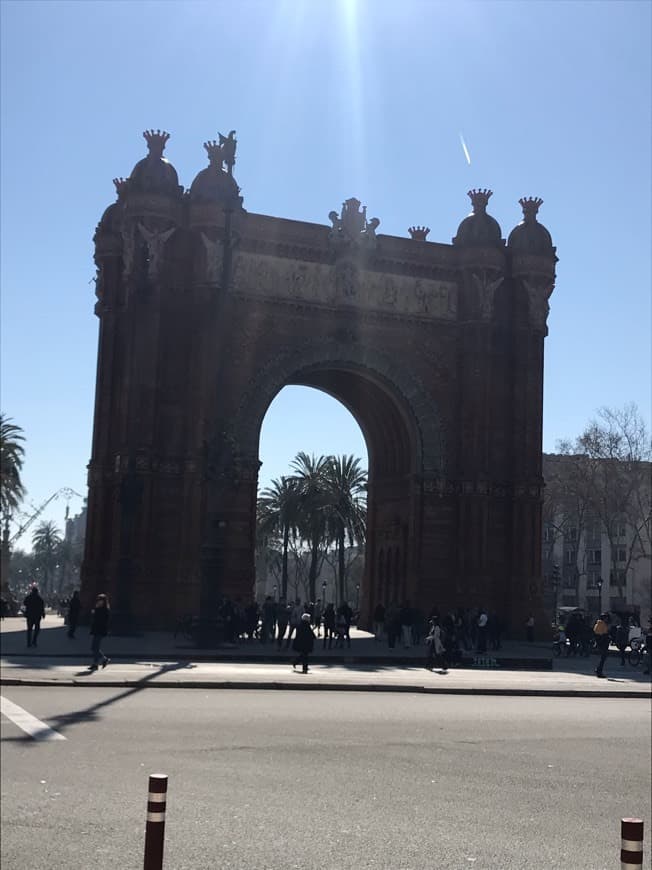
214,151
419,234
479,198
530,206
156,140
120,186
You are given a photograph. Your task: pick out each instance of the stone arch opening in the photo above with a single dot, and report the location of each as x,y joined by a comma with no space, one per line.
394,449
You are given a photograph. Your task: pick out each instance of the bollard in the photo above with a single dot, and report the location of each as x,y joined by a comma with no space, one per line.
631,847
155,827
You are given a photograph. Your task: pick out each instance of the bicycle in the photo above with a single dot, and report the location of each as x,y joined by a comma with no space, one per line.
637,651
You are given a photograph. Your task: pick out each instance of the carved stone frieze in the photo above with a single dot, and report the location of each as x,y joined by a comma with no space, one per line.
213,260
538,291
343,283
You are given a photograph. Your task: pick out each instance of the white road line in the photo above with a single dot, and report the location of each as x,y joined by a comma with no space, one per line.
28,723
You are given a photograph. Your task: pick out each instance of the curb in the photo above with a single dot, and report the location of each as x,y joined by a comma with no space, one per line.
508,663
329,687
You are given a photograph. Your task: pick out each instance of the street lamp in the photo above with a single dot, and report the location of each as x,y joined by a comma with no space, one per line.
555,586
274,592
323,593
357,596
599,585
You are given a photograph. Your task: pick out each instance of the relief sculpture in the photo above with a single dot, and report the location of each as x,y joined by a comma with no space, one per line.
345,282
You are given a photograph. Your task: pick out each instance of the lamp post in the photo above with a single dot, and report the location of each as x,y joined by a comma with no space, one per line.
555,587
323,593
357,596
599,585
274,592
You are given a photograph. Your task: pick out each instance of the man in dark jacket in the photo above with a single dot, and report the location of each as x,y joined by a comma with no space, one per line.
304,642
99,629
74,606
34,607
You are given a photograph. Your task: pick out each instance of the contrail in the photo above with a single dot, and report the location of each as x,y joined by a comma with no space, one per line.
465,149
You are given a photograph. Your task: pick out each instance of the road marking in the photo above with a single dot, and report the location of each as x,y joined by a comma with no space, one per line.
28,723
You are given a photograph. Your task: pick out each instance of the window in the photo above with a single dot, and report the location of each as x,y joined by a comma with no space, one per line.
548,535
594,557
622,555
571,557
592,580
622,531
570,579
571,534
617,578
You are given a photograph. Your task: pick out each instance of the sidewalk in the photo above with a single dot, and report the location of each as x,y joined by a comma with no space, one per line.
157,661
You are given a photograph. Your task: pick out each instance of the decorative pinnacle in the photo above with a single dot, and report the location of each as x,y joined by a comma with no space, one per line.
214,151
156,140
120,186
479,198
530,206
419,234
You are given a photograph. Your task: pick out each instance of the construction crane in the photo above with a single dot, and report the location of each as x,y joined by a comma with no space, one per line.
65,491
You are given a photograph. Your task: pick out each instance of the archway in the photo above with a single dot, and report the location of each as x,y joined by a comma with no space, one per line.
302,429
367,386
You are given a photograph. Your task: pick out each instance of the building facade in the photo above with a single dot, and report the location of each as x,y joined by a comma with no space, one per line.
207,311
603,562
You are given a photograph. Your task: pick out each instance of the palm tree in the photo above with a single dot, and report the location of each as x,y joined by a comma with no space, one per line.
11,463
346,484
312,489
46,542
278,513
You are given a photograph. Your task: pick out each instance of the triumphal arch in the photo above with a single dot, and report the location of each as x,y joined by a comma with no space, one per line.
207,310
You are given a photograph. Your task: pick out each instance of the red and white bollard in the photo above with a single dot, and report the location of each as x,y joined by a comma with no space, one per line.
155,827
631,847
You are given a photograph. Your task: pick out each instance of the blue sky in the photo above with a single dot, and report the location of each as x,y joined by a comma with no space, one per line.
329,100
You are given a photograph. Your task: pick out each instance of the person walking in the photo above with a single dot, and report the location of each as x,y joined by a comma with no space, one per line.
379,621
602,639
282,616
483,619
529,628
304,643
34,607
622,640
74,606
435,646
100,618
317,616
329,625
345,617
296,612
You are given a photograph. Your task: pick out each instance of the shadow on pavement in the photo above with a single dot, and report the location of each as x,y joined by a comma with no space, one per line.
63,721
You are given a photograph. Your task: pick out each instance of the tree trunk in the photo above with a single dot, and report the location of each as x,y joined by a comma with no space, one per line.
340,566
284,573
312,576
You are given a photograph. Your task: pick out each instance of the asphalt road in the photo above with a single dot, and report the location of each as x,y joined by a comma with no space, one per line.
324,780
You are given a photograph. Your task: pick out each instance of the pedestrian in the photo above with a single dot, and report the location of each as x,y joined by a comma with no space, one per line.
345,617
393,624
407,621
296,612
529,628
622,639
434,646
483,619
100,618
317,616
269,614
304,642
282,617
329,625
34,607
648,646
74,606
602,639
379,621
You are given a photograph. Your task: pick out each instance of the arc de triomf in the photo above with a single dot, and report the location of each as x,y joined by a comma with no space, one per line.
207,311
